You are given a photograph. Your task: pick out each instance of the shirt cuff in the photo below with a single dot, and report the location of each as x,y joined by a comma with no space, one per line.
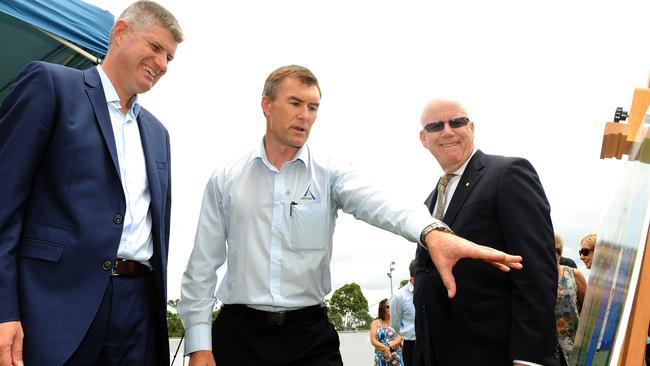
527,363
198,338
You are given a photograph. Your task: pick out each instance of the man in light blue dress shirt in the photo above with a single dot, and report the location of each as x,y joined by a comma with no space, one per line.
270,217
402,315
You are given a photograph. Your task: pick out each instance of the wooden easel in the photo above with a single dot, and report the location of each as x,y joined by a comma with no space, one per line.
618,140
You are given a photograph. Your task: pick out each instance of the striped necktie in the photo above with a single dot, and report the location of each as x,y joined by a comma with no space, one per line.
442,189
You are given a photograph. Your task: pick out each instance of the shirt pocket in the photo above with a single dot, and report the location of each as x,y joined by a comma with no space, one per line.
309,225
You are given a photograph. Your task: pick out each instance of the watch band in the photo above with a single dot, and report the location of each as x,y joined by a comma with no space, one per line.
440,226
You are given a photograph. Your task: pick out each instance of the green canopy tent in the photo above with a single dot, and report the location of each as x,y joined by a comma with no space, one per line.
67,32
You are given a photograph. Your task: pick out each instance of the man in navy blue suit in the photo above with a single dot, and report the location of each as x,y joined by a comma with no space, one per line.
85,198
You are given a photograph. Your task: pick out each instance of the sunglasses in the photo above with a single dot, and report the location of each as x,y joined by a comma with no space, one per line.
440,125
585,251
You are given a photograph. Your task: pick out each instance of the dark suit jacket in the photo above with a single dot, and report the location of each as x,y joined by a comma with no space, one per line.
495,317
61,202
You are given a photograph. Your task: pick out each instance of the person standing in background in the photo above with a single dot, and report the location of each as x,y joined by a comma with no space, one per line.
385,338
571,289
402,315
587,248
85,196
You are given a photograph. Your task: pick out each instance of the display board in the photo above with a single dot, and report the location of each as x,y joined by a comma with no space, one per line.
615,314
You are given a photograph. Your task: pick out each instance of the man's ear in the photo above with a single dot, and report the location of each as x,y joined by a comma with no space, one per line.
120,28
266,105
423,139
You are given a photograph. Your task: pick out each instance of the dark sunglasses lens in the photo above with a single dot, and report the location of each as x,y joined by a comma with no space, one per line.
434,126
584,251
458,122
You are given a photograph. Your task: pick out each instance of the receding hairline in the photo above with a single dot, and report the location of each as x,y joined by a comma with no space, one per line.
437,104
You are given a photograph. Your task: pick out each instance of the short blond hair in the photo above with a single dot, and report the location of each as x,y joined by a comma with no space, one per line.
590,239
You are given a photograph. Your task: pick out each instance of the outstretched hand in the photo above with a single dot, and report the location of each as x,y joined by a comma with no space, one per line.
446,249
11,344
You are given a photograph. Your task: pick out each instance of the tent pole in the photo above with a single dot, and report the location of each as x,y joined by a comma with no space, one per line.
71,45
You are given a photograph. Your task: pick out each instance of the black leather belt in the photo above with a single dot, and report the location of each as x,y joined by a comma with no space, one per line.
129,268
300,316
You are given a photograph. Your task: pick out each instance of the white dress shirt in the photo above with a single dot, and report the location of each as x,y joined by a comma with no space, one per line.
402,312
136,242
274,230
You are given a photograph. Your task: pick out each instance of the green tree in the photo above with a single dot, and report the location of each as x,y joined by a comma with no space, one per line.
403,283
348,308
174,324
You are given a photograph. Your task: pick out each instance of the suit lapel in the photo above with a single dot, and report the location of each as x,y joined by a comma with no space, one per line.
154,153
95,93
466,185
148,138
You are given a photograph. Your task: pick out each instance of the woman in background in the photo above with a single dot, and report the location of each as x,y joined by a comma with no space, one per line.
587,247
571,288
387,342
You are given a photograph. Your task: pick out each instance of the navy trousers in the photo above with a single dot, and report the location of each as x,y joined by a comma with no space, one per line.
125,329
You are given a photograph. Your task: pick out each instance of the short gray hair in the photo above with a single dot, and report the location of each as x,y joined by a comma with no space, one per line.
145,13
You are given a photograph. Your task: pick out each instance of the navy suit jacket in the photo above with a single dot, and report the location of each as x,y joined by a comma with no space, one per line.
496,317
61,202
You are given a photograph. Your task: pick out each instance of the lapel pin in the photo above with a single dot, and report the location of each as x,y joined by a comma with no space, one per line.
466,184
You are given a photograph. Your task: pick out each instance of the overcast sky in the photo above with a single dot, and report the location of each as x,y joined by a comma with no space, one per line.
539,80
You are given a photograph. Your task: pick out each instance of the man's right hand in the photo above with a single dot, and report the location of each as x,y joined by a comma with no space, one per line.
11,344
202,358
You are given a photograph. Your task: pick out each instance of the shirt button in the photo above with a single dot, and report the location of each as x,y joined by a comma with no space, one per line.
117,219
107,265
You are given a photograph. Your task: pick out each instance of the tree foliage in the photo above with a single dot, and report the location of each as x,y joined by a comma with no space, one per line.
174,325
348,308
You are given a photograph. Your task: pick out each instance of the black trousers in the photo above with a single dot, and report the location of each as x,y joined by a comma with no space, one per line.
241,341
125,330
407,353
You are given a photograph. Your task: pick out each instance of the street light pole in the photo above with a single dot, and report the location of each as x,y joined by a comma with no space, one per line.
391,268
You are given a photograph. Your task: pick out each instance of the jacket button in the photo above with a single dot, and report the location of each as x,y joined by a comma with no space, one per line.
117,219
107,265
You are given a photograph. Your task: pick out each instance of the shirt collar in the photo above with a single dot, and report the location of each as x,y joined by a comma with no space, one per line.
111,94
260,153
409,286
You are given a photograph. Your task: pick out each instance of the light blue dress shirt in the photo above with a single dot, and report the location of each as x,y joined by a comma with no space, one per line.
402,312
273,229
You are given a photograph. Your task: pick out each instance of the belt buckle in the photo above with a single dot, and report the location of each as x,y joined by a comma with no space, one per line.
276,318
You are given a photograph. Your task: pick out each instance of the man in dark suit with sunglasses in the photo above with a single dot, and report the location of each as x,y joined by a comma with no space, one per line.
496,318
